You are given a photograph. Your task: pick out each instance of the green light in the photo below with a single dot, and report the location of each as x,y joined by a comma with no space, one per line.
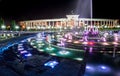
41,44
79,59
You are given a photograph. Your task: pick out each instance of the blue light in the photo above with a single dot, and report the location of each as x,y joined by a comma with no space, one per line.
51,64
29,54
103,68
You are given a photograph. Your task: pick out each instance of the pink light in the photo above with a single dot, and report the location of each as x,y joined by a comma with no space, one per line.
90,49
90,43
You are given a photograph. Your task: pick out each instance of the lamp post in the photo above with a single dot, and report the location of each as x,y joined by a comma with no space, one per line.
17,27
3,27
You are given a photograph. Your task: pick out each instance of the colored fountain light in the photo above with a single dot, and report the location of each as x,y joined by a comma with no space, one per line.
90,68
76,33
29,54
91,43
22,52
41,44
50,48
90,49
63,39
115,43
79,59
51,64
104,69
104,39
69,41
76,42
63,52
85,43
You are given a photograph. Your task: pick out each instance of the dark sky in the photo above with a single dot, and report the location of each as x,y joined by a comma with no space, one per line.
38,9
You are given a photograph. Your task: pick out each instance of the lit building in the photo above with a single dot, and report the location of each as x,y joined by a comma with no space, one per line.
69,22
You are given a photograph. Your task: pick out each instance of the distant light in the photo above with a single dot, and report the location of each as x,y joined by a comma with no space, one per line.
85,43
105,43
76,42
51,64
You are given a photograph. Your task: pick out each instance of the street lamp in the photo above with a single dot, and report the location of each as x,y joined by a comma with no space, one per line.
17,27
3,27
28,28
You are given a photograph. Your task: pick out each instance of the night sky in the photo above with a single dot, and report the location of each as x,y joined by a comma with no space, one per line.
43,9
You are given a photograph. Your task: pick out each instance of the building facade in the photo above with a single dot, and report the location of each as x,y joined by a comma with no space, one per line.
70,22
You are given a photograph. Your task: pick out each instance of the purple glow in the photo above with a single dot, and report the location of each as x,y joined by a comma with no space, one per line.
90,49
104,39
23,51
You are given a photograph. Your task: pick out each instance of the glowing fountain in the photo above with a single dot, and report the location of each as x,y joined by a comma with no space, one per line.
49,48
